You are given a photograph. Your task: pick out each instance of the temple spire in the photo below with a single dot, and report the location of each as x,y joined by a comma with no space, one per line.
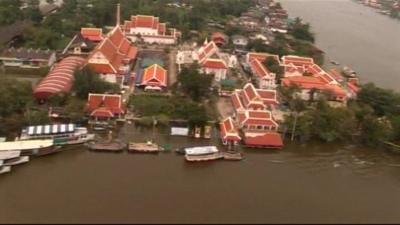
118,14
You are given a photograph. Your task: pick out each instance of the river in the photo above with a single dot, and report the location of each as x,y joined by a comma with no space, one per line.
301,184
354,35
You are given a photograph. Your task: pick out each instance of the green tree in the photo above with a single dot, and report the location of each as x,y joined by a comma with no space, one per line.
195,84
87,81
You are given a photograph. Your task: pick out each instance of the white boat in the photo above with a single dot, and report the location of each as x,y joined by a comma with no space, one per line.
9,155
30,147
62,134
16,161
5,169
201,150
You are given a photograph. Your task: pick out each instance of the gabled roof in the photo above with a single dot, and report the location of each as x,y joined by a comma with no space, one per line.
214,64
268,96
261,56
297,60
207,51
237,103
104,105
155,75
116,48
256,118
308,82
92,34
145,21
265,140
260,70
228,130
60,79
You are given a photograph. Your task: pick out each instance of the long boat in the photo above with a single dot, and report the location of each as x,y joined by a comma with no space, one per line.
30,147
62,134
201,150
204,157
148,147
113,146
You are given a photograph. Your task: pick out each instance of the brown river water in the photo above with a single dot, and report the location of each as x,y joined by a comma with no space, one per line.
310,183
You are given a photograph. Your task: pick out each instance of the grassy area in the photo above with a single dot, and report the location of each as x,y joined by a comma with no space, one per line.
167,108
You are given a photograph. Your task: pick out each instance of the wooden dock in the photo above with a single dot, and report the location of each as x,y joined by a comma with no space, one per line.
144,147
233,156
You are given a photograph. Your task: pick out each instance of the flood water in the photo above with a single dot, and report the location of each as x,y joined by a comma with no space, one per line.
301,184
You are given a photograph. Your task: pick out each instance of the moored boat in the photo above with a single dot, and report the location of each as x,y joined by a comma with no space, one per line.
30,147
204,157
16,161
148,147
13,158
113,146
62,134
201,150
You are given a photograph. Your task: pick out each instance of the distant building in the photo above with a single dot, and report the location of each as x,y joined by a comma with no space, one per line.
113,57
105,107
211,62
239,41
27,58
250,98
229,133
219,39
154,78
150,30
59,80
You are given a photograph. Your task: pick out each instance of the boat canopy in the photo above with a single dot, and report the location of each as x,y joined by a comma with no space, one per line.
50,129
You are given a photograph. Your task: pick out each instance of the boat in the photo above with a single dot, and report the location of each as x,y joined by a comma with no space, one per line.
204,157
180,151
16,161
12,158
148,147
62,134
5,169
207,132
335,62
30,147
112,146
201,150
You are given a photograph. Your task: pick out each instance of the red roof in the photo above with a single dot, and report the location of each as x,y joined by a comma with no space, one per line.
259,69
228,130
265,140
104,105
335,74
92,34
145,21
219,38
297,60
155,75
268,96
261,56
60,79
305,82
207,51
257,118
117,51
236,101
214,64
